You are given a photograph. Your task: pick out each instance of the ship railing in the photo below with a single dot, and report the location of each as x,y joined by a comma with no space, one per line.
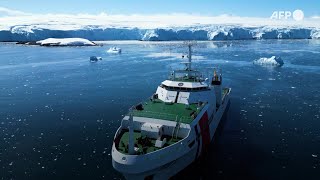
186,75
185,79
158,115
167,116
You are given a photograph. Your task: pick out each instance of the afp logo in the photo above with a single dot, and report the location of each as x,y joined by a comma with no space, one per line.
297,15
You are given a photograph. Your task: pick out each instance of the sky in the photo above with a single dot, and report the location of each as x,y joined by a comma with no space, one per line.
75,14
244,8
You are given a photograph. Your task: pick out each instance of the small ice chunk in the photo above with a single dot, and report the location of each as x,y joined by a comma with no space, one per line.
114,50
272,61
314,155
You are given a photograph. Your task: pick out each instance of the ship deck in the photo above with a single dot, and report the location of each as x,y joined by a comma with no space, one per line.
158,109
144,145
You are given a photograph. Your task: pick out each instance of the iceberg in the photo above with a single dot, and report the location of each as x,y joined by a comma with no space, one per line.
114,50
315,34
272,61
65,42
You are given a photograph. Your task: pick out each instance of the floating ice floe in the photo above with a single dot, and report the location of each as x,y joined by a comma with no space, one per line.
273,61
114,50
314,155
65,42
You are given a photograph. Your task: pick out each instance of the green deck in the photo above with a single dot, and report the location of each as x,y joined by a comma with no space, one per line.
124,141
160,110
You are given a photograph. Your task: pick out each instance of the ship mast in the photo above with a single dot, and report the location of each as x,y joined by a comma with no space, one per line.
189,56
188,64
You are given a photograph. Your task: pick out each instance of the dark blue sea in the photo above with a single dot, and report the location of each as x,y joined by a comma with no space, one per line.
59,112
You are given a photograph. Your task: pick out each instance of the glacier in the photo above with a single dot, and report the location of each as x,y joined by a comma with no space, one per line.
165,27
213,33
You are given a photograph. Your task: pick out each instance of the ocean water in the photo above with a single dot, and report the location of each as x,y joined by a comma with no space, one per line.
59,112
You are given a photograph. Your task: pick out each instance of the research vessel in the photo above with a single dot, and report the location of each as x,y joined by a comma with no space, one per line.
174,127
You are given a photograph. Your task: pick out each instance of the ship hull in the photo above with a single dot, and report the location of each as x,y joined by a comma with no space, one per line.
166,171
218,116
200,148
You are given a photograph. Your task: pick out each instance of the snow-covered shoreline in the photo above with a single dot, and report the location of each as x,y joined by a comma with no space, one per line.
60,42
65,42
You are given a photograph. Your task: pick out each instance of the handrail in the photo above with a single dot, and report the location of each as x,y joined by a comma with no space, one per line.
166,116
158,115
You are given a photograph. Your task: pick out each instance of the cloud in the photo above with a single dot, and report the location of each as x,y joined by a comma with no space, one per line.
76,21
10,12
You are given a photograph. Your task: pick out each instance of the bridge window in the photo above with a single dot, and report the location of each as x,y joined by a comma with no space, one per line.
170,88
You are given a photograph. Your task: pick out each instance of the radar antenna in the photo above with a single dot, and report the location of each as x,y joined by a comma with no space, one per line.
189,44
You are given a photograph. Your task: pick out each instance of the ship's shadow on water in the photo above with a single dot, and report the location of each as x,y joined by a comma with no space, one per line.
228,157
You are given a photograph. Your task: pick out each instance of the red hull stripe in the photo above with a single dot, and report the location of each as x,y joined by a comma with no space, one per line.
205,132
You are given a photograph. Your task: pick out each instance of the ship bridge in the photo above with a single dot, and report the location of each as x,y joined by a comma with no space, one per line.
186,79
184,87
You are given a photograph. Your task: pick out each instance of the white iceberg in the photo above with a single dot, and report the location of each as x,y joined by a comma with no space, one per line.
315,34
272,61
65,42
114,50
